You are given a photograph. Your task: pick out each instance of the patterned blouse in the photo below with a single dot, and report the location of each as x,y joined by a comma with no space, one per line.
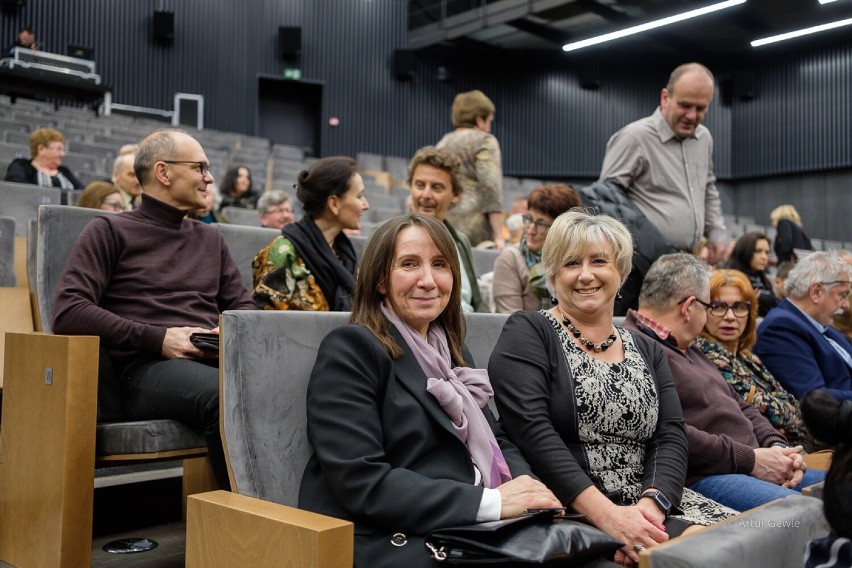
283,282
753,381
481,179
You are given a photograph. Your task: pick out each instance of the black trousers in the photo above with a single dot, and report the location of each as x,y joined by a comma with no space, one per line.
179,389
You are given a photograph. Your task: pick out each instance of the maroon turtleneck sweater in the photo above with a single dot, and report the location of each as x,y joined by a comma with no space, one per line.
132,275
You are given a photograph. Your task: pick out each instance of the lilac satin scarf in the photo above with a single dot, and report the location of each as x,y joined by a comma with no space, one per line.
461,392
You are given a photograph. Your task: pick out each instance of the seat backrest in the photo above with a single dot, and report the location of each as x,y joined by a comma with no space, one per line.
483,260
22,200
266,362
7,251
241,216
359,242
244,243
58,228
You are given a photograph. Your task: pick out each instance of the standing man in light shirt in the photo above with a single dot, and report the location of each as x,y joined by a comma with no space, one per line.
125,180
665,164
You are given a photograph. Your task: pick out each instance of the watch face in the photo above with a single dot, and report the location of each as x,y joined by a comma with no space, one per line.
663,501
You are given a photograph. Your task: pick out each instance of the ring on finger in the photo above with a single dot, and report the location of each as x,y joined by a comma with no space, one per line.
638,547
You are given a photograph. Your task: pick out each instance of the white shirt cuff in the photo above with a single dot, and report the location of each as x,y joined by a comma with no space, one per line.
490,506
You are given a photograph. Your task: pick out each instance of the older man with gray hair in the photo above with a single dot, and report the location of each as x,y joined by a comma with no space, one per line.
124,178
736,456
796,342
274,209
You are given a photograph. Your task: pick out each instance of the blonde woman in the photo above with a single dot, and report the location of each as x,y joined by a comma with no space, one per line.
789,234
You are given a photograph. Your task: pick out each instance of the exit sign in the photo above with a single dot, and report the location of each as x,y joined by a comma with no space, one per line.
292,73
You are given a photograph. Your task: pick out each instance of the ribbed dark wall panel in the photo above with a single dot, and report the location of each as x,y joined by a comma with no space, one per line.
801,118
548,126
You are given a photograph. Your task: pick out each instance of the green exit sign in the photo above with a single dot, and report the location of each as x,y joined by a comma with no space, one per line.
292,73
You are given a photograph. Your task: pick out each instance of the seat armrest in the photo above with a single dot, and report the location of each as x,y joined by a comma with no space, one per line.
774,534
227,529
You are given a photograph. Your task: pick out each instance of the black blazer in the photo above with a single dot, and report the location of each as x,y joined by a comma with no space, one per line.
386,455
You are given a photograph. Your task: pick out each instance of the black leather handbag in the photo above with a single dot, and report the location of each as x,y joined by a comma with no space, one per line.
538,538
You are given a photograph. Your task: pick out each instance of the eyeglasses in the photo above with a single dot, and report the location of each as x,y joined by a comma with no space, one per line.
719,309
844,294
539,225
116,205
203,167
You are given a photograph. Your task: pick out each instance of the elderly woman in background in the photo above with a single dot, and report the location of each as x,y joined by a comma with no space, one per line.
479,212
751,257
789,234
727,339
519,282
101,195
593,407
237,189
45,169
311,266
404,441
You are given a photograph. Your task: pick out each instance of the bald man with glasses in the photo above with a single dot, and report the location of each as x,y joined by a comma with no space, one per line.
145,280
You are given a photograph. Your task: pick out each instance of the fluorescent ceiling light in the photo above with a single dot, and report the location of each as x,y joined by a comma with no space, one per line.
799,33
826,1
651,25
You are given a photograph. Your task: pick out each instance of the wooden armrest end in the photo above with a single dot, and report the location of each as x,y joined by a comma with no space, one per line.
228,529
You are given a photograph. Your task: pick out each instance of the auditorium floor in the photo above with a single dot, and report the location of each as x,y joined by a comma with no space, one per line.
170,553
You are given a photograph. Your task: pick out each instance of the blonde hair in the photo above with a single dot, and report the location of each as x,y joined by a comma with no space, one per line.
572,235
43,137
787,212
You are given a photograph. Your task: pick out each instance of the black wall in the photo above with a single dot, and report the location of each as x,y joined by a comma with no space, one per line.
547,124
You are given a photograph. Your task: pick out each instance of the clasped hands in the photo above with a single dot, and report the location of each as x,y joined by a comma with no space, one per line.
779,465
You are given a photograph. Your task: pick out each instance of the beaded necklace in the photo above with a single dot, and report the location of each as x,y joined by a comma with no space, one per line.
586,343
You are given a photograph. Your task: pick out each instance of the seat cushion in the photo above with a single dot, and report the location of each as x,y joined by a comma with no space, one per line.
148,436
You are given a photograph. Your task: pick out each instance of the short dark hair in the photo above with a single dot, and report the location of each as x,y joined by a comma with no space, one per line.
437,158
376,265
553,199
325,177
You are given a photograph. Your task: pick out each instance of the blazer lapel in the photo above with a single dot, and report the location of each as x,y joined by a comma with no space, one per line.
411,376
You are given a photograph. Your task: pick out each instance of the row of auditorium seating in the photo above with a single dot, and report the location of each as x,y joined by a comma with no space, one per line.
265,362
93,141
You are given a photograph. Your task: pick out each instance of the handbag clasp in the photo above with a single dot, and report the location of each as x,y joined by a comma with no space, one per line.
437,553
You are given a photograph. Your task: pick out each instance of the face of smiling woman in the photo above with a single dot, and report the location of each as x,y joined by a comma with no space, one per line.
420,282
588,284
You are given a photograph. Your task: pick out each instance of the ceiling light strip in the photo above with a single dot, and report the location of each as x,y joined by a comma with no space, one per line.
651,25
799,33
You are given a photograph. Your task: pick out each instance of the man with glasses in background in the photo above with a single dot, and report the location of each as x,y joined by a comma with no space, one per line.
736,456
145,281
797,343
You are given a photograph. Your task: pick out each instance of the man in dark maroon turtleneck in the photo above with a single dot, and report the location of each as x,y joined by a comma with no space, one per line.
143,281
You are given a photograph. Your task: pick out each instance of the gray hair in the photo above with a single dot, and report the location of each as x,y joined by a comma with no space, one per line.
674,277
120,161
271,199
814,268
158,145
575,231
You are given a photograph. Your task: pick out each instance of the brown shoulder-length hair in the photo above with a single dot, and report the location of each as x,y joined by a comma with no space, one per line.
375,270
729,277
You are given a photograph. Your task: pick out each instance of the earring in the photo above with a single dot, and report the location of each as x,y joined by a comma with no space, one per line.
618,296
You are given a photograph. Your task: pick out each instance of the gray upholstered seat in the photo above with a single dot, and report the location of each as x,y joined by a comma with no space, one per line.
244,243
7,251
483,260
241,216
267,358
21,201
145,437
